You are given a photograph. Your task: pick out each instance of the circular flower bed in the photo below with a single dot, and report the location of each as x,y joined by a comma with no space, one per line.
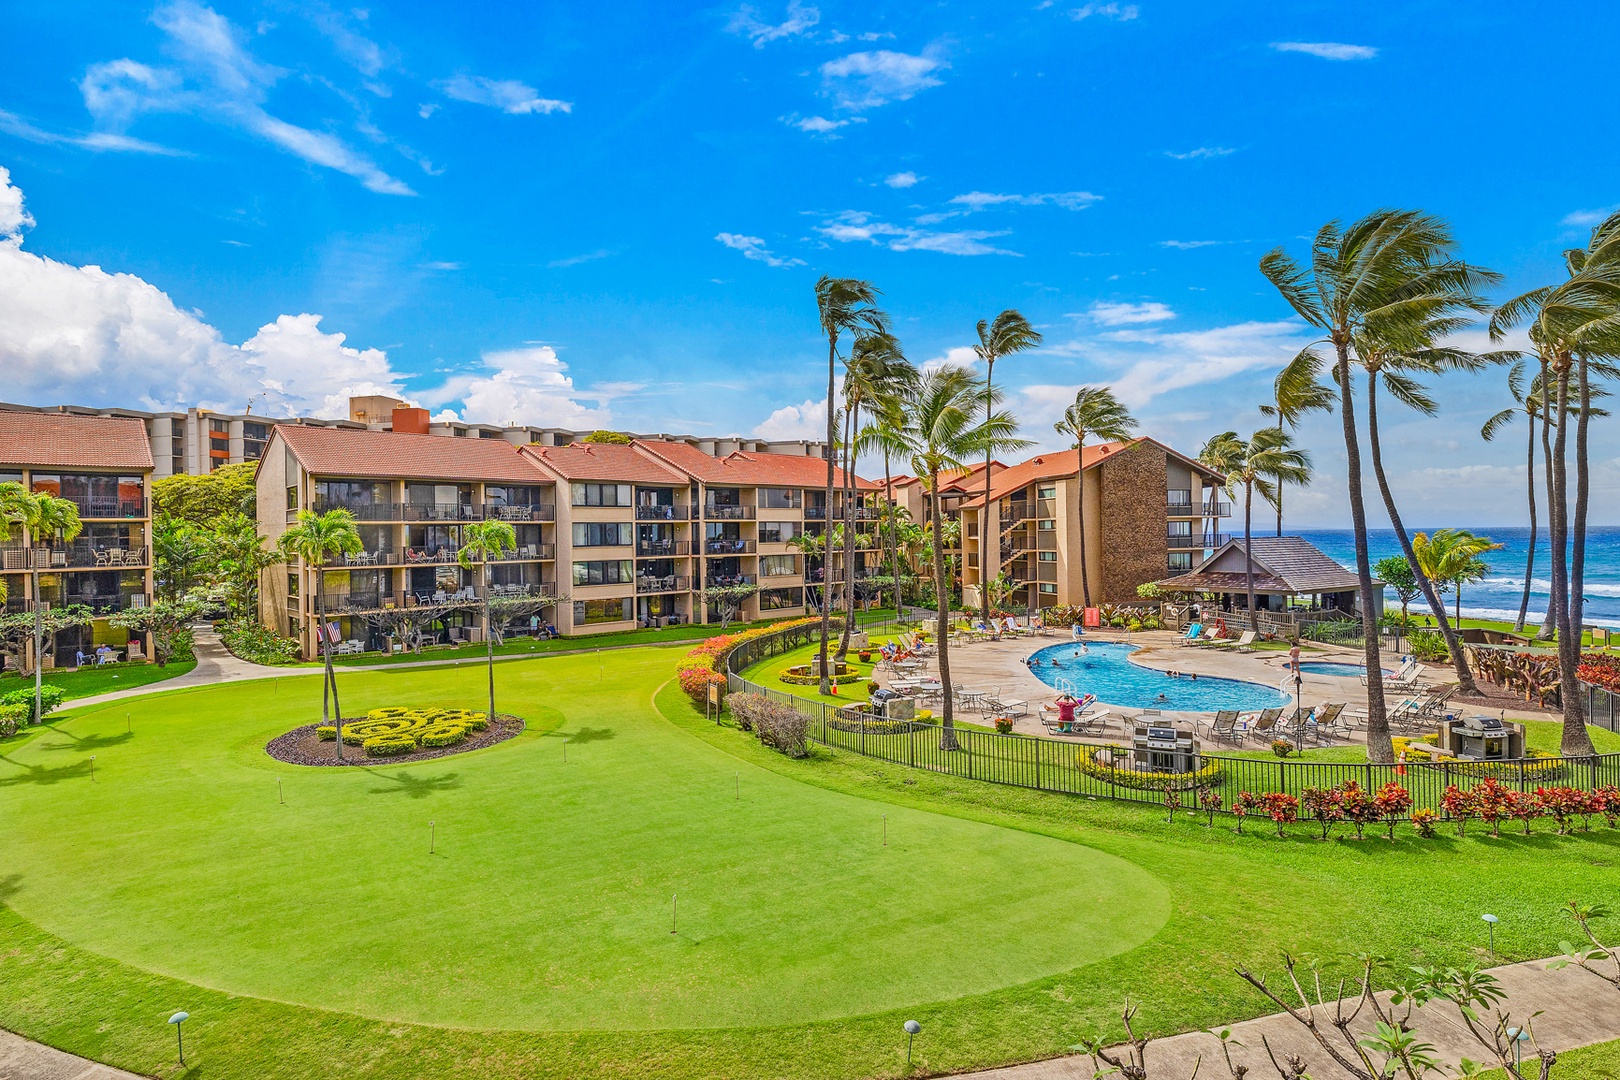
800,675
395,733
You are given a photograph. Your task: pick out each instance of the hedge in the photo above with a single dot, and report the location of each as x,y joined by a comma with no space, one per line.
419,727
776,724
389,745
1208,776
50,699
705,665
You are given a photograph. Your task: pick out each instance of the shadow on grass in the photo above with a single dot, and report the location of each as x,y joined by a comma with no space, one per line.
83,744
413,786
586,735
10,886
43,774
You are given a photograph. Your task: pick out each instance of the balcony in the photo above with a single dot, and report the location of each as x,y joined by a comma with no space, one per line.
728,547
712,512
365,558
667,584
361,511
1208,540
105,605
537,512
819,513
1014,512
77,557
443,512
1192,509
662,549
94,506
676,512
719,580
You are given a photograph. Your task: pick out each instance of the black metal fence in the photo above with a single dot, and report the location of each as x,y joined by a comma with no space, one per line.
1602,708
1087,768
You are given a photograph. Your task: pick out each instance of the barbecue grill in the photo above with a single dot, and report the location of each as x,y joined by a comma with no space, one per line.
1161,748
1483,738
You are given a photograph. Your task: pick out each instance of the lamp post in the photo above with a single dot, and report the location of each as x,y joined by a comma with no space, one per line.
179,1040
1518,1036
912,1029
1491,921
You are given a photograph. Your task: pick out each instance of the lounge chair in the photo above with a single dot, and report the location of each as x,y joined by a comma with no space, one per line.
1224,728
1009,708
1193,631
1329,721
1245,643
1258,723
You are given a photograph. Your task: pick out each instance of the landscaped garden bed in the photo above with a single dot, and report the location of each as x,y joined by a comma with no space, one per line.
394,734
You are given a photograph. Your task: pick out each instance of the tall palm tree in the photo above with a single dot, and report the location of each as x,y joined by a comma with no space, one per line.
1572,325
876,367
1095,413
844,306
1529,403
1004,335
1386,269
1452,557
1298,390
316,539
485,542
943,418
1257,465
45,517
887,434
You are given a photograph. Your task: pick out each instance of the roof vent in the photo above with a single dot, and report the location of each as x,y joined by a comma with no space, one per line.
1037,461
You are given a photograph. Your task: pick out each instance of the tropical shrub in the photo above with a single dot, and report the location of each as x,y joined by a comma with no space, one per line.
776,724
389,745
251,640
705,665
1424,821
1391,802
50,699
1282,809
1600,670
1611,804
1004,725
1492,802
1460,804
1429,647
1561,804
1282,747
13,717
1523,806
1325,805
1207,776
1360,806
1209,800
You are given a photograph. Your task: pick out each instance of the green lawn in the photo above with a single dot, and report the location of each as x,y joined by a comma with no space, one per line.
87,682
320,938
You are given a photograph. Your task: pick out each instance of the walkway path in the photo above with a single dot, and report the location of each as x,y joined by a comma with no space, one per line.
21,1059
215,664
1580,1009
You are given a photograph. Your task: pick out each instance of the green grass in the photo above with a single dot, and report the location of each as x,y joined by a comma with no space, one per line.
1601,1061
89,681
1006,921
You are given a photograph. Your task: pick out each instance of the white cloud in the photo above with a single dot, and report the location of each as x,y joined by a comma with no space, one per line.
800,18
1588,218
1327,50
956,356
528,385
804,421
220,79
855,225
1118,12
507,95
1188,245
575,260
820,125
14,218
366,55
1122,314
12,124
1069,200
1201,152
426,110
866,80
753,247
901,179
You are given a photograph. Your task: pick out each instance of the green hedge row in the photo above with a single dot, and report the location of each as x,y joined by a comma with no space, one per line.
397,730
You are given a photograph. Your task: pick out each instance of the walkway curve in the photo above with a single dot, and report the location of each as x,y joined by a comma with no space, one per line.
215,664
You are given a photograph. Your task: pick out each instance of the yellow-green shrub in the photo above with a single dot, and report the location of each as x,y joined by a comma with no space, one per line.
389,745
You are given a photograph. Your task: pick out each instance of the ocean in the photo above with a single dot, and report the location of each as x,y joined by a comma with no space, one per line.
1497,597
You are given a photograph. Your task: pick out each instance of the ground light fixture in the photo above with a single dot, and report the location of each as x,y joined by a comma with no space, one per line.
912,1030
1518,1036
179,1040
1491,921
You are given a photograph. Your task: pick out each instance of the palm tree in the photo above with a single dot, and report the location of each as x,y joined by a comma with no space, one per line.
1452,557
887,434
876,367
1574,326
1095,413
1295,392
1257,465
44,517
1384,270
316,539
485,542
942,417
1008,333
13,500
1529,403
845,306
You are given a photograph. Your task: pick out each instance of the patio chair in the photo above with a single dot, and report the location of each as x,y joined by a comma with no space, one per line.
1258,723
1009,708
1329,720
1224,727
103,557
1245,642
1193,631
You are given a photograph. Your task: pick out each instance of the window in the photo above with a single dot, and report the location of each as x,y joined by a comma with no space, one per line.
292,496
601,611
1180,528
781,498
610,572
1046,493
1046,556
218,427
292,584
779,532
1180,496
1048,587
777,566
514,495
350,494
1046,524
725,496
418,494
776,599
655,496
603,533
601,494
1180,562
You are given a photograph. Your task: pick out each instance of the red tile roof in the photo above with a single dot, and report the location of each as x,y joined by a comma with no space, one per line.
1060,463
607,462
393,455
746,469
69,441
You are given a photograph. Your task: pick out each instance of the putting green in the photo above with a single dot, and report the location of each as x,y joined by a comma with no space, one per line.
547,903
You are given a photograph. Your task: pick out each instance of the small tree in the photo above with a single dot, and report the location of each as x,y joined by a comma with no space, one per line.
607,438
486,541
1392,803
728,599
168,621
315,539
17,628
238,557
1396,572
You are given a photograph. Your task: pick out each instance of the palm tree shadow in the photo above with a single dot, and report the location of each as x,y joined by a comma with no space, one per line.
10,886
83,744
412,786
588,735
43,774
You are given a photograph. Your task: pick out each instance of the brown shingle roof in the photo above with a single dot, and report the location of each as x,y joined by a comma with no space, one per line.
746,469
68,441
1287,564
606,462
392,455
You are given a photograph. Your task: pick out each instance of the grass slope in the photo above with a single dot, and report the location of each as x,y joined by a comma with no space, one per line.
87,682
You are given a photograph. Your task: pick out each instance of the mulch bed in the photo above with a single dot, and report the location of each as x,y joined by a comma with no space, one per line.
301,746
1494,698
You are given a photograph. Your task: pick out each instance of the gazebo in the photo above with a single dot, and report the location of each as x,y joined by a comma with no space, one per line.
1290,574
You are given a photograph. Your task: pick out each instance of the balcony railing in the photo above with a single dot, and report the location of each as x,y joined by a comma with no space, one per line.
537,512
728,513
662,549
1014,512
665,584
104,605
716,580
819,513
1208,540
361,511
94,506
443,512
528,551
1192,509
728,547
676,512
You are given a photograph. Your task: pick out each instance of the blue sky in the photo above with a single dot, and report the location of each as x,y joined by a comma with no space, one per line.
614,214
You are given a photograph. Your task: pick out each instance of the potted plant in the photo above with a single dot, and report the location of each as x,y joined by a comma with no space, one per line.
1004,725
865,655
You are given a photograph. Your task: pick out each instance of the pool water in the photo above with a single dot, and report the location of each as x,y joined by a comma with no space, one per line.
1105,669
1330,667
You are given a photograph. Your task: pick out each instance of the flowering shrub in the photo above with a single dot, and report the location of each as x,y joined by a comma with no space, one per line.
1523,806
705,665
1004,725
1611,803
1282,747
1423,821
1600,670
1492,802
1282,808
1459,804
1326,805
1247,801
1360,808
1209,800
1391,803
1561,804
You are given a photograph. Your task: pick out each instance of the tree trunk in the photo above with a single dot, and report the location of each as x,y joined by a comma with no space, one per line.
826,539
1575,741
851,416
1459,661
489,642
890,556
1577,551
942,623
39,650
1549,622
1248,553
326,659
1080,516
1380,748
1530,490
984,518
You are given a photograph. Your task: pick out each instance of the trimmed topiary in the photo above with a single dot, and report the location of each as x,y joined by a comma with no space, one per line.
444,735
389,745
326,733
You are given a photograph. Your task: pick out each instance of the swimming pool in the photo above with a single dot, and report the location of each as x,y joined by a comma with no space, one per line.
1332,667
1105,669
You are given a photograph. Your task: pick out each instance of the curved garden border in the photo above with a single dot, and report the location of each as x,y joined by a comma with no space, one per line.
301,746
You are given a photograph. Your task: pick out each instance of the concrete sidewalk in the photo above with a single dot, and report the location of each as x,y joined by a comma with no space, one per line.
21,1059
